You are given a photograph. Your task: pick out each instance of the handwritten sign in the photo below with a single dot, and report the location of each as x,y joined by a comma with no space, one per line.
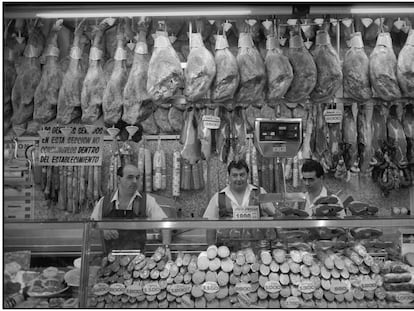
77,148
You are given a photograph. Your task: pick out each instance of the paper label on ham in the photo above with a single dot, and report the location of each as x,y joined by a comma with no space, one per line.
296,42
245,40
271,43
161,42
196,40
52,51
120,54
333,115
322,38
31,51
221,43
75,52
9,54
141,48
356,40
384,39
211,122
95,53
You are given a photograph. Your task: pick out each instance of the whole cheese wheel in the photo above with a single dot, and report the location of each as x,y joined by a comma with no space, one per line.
212,252
237,269
223,278
202,261
214,264
223,251
264,269
240,258
296,256
254,277
198,277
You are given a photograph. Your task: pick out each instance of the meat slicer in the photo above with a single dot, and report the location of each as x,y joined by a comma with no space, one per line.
279,138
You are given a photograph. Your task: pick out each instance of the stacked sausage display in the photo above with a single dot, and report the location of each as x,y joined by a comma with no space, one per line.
265,278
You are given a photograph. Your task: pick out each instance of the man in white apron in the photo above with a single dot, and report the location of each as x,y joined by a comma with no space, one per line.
312,175
239,200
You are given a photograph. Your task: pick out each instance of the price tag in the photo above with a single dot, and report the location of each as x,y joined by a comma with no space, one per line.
117,289
292,302
100,289
368,284
133,290
250,212
243,288
152,289
306,287
272,287
210,287
211,122
179,289
332,115
404,297
338,288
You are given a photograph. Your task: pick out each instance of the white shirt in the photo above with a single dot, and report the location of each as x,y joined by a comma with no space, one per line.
309,206
153,210
212,210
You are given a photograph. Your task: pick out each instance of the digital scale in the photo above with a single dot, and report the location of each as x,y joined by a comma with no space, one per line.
280,139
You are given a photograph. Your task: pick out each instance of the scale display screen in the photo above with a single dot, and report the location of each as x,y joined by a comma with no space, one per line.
282,131
278,137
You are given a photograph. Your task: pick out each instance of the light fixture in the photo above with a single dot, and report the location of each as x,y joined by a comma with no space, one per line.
155,10
381,10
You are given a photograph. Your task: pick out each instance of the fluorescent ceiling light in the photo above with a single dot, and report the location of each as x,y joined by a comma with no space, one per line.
382,10
158,13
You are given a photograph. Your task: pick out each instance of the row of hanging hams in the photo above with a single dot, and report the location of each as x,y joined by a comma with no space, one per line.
101,75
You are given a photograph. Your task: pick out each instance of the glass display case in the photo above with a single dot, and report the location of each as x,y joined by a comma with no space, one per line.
344,263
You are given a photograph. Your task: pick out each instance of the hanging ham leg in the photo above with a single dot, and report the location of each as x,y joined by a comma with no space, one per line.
95,81
349,137
9,77
28,78
137,102
192,147
47,92
69,99
113,94
364,125
379,138
223,136
408,124
239,131
204,133
396,138
321,150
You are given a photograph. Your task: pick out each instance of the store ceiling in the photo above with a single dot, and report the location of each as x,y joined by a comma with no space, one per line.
213,10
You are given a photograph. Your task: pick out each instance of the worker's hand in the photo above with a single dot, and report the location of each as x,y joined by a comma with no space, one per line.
110,234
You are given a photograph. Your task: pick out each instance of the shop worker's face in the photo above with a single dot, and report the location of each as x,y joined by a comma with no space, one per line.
129,181
312,183
238,179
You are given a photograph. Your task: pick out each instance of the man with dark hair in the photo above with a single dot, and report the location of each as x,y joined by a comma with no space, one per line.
239,200
126,202
312,176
